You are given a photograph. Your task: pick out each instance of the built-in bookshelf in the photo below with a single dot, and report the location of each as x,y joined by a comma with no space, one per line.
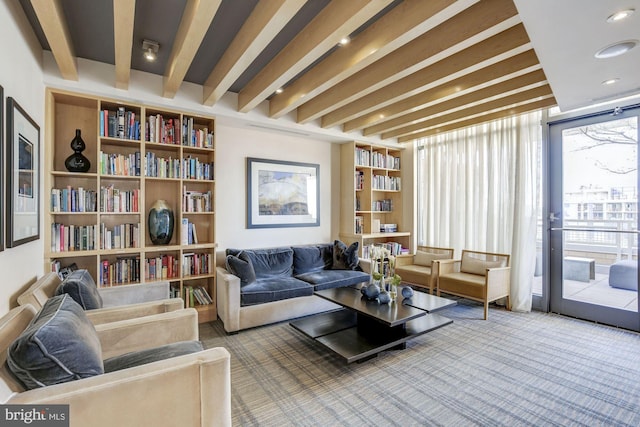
372,198
98,219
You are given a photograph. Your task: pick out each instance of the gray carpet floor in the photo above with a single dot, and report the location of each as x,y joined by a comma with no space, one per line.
514,369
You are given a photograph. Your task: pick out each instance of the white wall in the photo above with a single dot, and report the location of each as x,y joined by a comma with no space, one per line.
21,77
233,146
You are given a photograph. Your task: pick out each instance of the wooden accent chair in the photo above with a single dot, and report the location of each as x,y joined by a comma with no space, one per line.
479,276
421,269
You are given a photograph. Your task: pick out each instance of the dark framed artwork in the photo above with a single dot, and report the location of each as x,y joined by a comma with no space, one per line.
282,194
23,176
1,163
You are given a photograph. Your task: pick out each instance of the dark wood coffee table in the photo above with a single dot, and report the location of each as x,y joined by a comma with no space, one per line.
364,328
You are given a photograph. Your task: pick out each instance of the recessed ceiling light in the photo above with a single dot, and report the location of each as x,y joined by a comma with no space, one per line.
279,90
620,15
344,41
610,81
616,49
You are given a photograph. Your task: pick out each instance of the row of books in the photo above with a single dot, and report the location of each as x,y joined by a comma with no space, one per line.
200,137
120,271
384,182
121,236
62,272
160,167
73,200
193,168
163,266
197,201
116,200
120,123
194,264
384,205
119,164
188,233
196,295
394,248
379,160
161,130
359,224
363,157
359,180
66,238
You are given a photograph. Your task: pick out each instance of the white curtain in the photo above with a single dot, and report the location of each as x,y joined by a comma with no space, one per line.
477,190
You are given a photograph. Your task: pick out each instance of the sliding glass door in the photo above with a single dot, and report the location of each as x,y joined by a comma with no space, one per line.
593,218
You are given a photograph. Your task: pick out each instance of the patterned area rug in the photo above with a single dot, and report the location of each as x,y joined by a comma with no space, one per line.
514,369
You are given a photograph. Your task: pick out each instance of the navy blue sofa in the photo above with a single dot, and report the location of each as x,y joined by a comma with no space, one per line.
261,286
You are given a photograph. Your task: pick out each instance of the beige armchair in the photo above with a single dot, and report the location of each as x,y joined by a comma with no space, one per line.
189,390
479,276
421,269
45,287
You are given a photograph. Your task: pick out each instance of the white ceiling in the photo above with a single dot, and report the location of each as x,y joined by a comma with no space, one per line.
567,33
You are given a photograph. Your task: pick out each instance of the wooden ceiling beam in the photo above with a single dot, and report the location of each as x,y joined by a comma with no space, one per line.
507,43
337,20
400,25
513,111
196,20
477,109
54,25
478,21
265,22
124,12
499,89
518,64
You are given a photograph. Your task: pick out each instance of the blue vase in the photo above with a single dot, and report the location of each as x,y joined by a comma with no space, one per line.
407,292
160,223
372,291
384,297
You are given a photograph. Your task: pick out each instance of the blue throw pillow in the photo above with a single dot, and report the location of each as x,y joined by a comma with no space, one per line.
82,288
345,258
59,345
242,267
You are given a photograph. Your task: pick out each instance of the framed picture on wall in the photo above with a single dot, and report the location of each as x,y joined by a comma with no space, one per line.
23,176
282,194
1,163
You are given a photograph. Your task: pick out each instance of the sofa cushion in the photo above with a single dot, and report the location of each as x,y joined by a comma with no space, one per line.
59,345
271,262
345,258
242,267
82,288
479,266
311,258
273,289
425,258
137,358
327,279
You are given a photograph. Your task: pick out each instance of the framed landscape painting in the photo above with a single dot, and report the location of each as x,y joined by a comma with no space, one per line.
23,176
282,194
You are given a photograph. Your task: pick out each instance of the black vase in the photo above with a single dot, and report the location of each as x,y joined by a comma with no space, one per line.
160,223
77,162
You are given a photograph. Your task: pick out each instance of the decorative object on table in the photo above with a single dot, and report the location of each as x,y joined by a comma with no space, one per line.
383,270
372,291
384,297
77,162
407,291
23,176
282,194
160,223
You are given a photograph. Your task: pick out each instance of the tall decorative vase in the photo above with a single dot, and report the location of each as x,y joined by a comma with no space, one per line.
77,162
160,223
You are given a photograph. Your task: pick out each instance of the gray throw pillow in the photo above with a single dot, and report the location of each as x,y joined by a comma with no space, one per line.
242,267
82,288
59,345
345,258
